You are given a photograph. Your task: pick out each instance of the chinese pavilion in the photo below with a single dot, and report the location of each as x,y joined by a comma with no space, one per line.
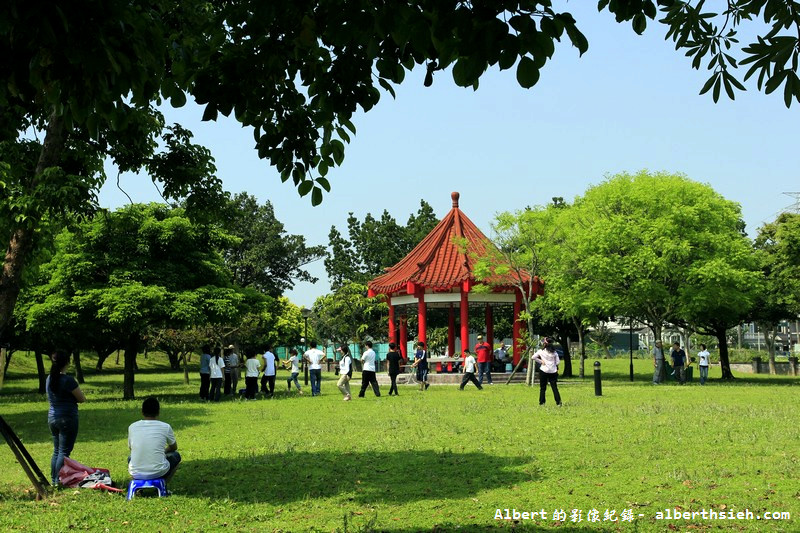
438,273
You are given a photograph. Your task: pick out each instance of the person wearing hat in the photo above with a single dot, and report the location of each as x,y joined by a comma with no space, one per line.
548,360
231,370
484,353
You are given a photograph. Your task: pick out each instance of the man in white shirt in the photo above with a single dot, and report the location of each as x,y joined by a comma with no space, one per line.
315,359
703,359
368,371
293,364
469,371
268,379
154,450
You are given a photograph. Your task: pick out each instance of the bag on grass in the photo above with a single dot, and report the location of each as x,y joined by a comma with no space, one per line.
75,474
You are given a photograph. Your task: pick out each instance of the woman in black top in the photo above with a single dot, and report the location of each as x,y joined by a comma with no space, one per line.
64,395
394,358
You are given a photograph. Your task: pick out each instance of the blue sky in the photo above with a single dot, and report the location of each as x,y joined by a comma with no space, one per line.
629,103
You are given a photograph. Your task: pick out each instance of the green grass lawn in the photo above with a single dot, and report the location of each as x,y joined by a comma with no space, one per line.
440,460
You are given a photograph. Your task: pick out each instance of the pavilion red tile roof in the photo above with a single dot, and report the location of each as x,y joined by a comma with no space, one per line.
439,262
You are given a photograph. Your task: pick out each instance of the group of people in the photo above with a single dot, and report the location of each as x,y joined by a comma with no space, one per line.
680,362
153,448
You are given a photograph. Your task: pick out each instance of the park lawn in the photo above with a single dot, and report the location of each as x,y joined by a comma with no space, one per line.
439,460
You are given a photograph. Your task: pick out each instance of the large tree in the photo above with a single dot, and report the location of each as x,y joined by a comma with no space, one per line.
265,258
374,244
123,273
661,248
778,249
87,75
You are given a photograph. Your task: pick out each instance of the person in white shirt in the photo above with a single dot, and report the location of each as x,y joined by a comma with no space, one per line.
315,359
294,367
268,379
469,371
547,357
368,371
345,372
703,360
215,366
152,444
252,369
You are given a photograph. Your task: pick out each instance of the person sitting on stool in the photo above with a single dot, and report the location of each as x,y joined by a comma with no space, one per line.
154,450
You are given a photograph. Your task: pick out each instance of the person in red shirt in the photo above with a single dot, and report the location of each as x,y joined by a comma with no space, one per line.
484,353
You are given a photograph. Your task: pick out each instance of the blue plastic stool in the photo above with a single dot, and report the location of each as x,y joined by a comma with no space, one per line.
159,484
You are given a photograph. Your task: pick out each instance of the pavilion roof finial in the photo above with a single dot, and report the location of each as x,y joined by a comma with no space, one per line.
455,196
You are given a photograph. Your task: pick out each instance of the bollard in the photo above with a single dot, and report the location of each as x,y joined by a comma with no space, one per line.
598,385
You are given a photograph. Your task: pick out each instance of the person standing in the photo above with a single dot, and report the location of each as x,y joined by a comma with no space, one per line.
421,364
678,357
345,372
658,363
63,394
315,358
205,377
484,352
394,358
231,370
268,379
154,450
294,368
703,360
368,370
252,368
216,365
548,360
469,371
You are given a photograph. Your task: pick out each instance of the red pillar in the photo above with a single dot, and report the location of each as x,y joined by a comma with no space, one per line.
422,319
392,333
516,340
464,319
489,327
404,337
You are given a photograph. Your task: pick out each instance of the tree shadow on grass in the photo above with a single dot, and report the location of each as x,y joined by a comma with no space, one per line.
100,425
365,477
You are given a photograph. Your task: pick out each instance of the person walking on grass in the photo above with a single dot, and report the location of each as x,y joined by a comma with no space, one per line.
152,445
658,363
548,360
216,365
252,368
345,372
394,358
315,358
63,394
368,370
484,352
268,379
293,366
703,360
421,364
678,357
469,371
205,377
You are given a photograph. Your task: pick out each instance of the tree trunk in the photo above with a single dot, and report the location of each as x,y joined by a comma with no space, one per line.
131,349
724,360
40,370
76,359
771,351
582,345
185,369
102,355
117,363
564,340
174,359
7,362
739,336
21,242
2,363
531,365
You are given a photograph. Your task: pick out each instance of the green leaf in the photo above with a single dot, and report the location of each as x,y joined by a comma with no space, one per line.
639,23
178,98
316,196
386,85
527,73
305,187
708,84
324,184
210,113
337,149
